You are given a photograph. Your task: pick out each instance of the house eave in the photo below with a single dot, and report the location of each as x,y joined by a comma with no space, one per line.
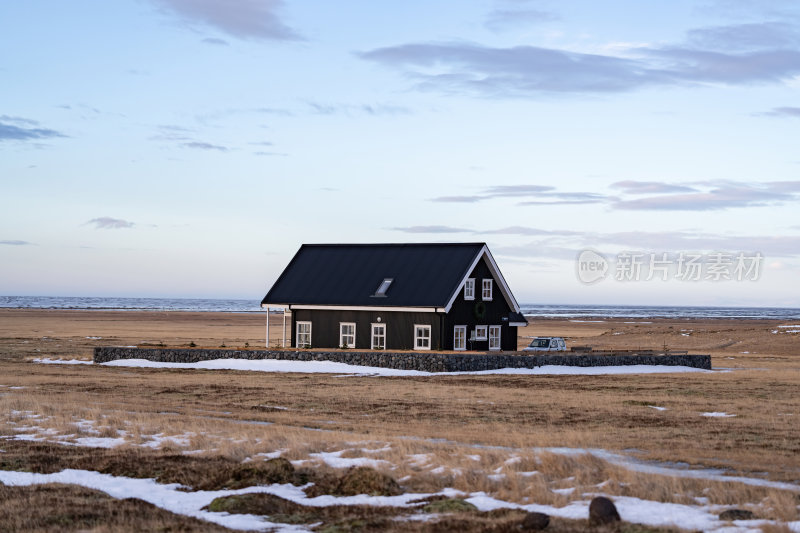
373,308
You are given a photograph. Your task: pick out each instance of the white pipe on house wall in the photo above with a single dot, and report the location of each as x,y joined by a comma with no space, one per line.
284,328
266,343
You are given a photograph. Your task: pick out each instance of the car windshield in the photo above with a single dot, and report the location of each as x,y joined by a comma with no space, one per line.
540,343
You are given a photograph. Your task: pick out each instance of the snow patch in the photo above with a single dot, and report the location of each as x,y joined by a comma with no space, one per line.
330,367
717,414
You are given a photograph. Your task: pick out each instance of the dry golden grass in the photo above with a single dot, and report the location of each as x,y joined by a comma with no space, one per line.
472,433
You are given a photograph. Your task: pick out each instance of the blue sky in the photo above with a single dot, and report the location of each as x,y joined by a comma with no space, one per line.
187,148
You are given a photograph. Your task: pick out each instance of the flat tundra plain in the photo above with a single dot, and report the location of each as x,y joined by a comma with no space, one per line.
89,447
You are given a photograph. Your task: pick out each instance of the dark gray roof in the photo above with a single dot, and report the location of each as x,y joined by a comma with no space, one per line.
423,275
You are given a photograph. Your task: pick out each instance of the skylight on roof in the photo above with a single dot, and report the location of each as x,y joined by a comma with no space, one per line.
384,286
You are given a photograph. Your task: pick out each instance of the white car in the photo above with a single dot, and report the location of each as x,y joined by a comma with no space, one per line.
547,344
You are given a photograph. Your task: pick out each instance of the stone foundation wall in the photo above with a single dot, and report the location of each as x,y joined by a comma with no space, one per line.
425,361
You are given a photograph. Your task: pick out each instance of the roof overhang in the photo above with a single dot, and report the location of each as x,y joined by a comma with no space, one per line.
372,308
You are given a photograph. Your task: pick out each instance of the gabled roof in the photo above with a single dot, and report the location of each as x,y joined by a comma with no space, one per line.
423,275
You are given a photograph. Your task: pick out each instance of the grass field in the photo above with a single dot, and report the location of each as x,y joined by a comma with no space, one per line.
523,440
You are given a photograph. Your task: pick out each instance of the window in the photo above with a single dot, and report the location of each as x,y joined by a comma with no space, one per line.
347,334
469,289
384,286
303,337
422,337
460,338
487,289
494,337
378,337
480,333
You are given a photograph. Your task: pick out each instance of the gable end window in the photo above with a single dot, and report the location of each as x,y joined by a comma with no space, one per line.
486,293
347,334
422,337
303,337
469,289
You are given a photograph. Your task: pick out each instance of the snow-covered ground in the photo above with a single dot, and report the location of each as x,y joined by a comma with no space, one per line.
171,498
330,367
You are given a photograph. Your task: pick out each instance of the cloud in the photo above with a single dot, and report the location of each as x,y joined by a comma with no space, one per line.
765,53
524,230
24,129
541,194
432,229
110,223
197,145
782,112
16,243
514,72
215,41
650,187
753,36
711,196
500,20
245,19
362,109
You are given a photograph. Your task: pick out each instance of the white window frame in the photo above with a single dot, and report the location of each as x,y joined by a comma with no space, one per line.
481,336
342,336
493,338
469,289
463,330
418,338
486,289
297,334
372,336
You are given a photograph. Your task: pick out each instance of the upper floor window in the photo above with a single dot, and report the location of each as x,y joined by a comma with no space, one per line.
486,293
469,289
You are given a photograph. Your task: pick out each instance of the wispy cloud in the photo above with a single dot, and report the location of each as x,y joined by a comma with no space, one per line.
647,195
782,112
711,196
500,20
215,41
357,109
110,223
198,145
767,53
432,229
751,36
24,129
16,243
651,187
244,19
537,194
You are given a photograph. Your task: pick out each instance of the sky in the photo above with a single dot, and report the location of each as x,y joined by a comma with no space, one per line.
187,148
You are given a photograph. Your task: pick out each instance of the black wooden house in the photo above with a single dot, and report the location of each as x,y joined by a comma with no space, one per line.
397,297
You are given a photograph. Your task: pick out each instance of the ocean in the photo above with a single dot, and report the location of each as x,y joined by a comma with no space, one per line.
575,312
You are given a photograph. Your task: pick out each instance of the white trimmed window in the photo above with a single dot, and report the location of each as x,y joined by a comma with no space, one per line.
422,337
494,337
378,336
486,293
480,333
469,289
460,337
303,336
347,334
